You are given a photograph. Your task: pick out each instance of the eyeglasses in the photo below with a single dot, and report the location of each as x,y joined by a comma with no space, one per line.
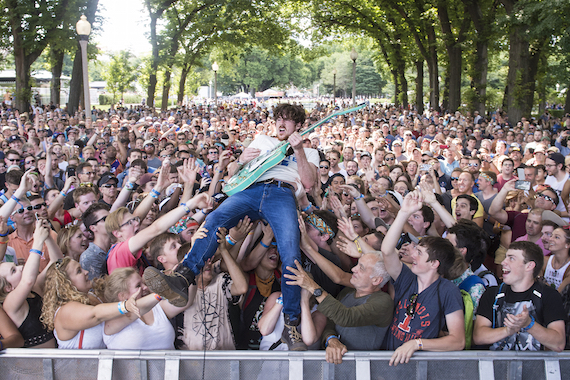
216,152
473,165
30,162
548,198
454,178
165,156
88,173
411,309
109,185
13,159
323,167
389,159
136,219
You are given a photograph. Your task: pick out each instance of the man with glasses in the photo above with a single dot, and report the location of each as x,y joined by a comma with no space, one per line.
557,176
107,185
12,158
94,258
424,301
23,213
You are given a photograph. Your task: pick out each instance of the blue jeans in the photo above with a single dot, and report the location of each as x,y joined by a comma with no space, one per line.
272,203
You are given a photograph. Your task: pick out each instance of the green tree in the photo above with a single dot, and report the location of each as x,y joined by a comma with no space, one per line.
120,74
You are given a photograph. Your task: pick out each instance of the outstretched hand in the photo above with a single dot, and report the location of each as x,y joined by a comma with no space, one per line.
299,277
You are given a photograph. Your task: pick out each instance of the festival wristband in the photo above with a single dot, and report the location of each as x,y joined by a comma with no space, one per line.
185,207
279,300
525,329
307,208
329,338
359,197
262,244
6,234
130,186
122,308
154,193
158,297
229,240
13,197
62,193
420,344
37,251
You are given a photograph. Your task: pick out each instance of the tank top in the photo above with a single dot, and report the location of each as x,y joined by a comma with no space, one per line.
88,339
554,276
32,330
140,336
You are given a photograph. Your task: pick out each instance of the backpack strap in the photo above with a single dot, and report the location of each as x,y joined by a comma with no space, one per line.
252,287
499,300
470,282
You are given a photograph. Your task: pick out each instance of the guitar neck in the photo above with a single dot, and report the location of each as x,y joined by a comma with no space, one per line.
338,113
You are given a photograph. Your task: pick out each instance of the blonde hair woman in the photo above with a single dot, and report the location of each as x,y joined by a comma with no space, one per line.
72,241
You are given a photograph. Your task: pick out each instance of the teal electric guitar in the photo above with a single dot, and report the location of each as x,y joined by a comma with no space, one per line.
255,168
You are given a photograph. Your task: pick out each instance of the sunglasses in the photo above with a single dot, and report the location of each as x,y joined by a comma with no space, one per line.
548,198
108,185
473,165
411,309
323,167
99,220
389,159
454,178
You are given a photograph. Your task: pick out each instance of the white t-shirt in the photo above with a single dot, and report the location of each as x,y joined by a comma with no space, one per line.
287,170
558,186
140,336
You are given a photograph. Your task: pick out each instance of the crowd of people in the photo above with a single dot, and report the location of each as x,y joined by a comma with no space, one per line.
381,229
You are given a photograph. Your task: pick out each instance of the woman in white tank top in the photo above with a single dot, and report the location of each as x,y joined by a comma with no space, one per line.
152,330
75,313
556,270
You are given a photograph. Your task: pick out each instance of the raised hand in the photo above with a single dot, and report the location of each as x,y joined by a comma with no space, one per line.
412,203
345,225
243,227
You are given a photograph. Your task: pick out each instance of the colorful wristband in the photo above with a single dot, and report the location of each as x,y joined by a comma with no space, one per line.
158,297
262,244
307,208
525,329
130,186
122,308
6,234
37,251
13,197
329,338
154,193
185,207
279,300
229,240
420,344
359,197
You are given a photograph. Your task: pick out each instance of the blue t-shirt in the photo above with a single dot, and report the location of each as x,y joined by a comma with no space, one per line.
427,319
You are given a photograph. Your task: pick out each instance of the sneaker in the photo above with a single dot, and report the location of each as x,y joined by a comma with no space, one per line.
173,287
292,337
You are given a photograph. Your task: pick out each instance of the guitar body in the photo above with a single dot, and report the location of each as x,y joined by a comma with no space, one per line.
254,169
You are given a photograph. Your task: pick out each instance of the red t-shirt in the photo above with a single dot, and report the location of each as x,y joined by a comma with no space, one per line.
120,256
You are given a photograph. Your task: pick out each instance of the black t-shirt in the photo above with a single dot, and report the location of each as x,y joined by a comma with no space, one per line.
549,306
319,276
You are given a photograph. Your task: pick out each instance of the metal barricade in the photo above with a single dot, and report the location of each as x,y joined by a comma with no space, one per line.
56,364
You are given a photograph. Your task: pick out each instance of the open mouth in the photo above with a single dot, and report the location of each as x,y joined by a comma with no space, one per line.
506,272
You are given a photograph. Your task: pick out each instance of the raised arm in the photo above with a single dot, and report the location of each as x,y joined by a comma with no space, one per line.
430,199
134,174
496,210
239,280
412,203
59,199
307,171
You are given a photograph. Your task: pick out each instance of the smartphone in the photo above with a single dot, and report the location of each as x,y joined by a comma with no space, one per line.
520,174
425,167
522,185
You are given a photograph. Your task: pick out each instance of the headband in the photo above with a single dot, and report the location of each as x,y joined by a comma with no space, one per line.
487,177
320,225
183,224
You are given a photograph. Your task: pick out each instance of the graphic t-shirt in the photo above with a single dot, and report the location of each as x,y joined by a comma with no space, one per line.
549,310
432,305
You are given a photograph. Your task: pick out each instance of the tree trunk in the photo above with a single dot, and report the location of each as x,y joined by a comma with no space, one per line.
76,84
433,70
453,77
182,83
567,104
420,86
23,81
166,89
479,76
404,86
397,87
56,69
153,61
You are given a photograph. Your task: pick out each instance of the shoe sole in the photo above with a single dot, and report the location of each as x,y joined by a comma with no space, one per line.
155,281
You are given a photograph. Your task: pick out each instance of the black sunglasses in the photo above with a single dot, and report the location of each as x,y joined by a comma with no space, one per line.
411,309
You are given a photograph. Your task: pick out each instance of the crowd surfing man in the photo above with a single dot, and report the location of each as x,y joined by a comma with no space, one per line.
271,198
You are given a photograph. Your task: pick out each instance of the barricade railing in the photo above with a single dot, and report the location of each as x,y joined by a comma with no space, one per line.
55,364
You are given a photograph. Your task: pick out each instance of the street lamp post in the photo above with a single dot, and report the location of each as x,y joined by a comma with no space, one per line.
83,28
353,56
215,67
334,87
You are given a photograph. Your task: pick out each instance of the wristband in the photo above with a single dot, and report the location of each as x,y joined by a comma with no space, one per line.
358,247
229,240
279,300
359,197
15,198
122,308
6,234
525,329
307,208
4,242
329,338
355,239
220,171
37,251
185,207
62,193
262,244
158,297
204,212
154,193
130,186
420,344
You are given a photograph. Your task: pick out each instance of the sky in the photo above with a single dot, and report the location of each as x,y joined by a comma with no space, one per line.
124,26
